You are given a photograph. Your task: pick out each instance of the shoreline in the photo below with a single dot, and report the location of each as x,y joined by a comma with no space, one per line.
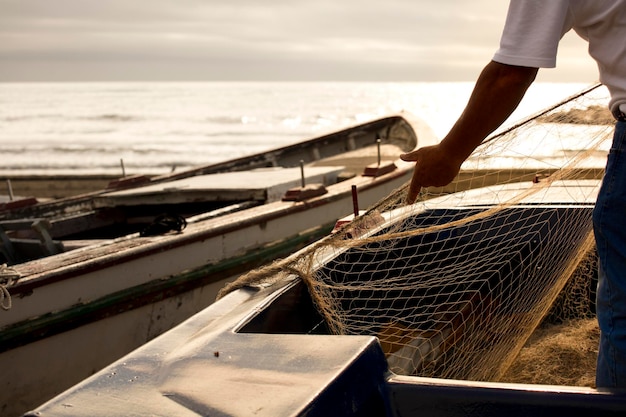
54,186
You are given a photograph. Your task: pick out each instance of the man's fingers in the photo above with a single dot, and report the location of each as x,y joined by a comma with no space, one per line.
412,194
414,188
409,156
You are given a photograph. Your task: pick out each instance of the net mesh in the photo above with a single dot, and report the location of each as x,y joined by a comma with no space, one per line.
454,285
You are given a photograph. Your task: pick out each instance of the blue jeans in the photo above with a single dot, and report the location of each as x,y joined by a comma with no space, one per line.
609,222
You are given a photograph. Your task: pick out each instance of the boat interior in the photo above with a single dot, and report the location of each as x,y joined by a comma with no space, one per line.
293,312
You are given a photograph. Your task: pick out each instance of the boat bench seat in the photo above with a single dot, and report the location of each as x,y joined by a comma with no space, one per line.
15,249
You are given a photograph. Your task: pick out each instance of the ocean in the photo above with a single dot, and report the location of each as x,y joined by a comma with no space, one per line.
155,128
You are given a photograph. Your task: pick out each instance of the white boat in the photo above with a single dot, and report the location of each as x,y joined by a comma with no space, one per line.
96,296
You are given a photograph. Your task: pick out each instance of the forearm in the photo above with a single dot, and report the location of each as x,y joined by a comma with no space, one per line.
497,93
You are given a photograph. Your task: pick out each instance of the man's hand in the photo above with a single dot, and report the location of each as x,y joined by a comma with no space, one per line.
434,167
497,92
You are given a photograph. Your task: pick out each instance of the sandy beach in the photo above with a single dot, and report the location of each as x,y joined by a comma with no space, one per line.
54,186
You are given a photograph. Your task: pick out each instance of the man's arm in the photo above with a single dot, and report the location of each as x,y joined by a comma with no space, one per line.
498,91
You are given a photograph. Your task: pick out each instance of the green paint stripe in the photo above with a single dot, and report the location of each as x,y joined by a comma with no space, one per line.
47,325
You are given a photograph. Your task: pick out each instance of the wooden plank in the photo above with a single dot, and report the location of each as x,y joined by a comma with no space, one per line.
264,184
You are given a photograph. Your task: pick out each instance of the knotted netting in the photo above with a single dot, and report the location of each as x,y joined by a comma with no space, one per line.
454,285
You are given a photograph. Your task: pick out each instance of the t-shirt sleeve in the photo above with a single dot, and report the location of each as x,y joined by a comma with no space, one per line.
532,33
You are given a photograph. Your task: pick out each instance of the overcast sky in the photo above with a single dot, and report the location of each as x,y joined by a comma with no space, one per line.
194,40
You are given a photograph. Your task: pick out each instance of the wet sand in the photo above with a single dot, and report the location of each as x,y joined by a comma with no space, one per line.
54,186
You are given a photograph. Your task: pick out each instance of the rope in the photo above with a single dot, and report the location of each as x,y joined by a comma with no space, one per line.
543,112
7,277
163,224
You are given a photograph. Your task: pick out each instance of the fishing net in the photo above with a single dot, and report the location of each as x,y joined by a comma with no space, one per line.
455,284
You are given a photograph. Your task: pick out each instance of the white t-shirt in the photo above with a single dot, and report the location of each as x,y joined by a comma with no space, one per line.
534,28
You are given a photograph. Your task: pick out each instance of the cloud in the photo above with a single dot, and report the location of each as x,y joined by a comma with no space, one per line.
245,39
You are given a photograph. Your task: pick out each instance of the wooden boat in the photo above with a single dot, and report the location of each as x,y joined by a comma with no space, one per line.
106,286
265,350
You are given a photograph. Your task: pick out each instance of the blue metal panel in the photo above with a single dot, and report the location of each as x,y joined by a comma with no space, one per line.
424,397
204,368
